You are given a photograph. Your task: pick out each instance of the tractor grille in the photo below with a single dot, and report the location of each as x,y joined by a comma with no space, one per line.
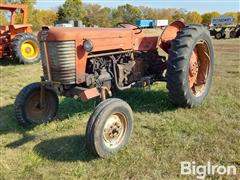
62,59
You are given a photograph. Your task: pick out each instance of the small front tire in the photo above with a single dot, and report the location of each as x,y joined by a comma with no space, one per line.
27,105
109,127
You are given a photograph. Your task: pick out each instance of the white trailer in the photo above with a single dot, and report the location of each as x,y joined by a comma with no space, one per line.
222,21
160,23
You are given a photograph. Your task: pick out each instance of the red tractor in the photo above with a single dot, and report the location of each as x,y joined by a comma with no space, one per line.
17,40
85,63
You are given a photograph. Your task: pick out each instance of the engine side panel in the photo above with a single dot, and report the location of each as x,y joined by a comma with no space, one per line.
104,40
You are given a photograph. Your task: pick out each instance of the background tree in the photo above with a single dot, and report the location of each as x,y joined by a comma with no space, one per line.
194,18
2,17
152,13
97,15
71,10
94,14
180,14
207,17
43,17
166,13
236,16
126,14
148,13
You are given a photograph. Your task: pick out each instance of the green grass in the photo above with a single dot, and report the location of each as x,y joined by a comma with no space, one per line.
163,134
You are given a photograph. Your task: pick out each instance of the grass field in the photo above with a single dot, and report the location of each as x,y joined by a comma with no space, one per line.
163,136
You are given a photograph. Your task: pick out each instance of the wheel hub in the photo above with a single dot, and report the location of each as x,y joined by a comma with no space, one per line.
198,68
114,130
29,49
193,68
34,108
36,112
218,35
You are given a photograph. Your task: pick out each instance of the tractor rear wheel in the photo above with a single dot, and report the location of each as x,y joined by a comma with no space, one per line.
190,66
27,105
109,127
26,49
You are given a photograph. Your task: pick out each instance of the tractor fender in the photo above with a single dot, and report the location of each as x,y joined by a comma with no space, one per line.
170,33
20,28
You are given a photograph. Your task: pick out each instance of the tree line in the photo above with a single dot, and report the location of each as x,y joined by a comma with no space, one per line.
96,15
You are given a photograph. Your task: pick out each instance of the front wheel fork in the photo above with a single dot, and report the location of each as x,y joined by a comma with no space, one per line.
104,92
42,96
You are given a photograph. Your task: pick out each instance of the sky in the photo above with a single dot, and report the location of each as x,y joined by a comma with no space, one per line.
201,6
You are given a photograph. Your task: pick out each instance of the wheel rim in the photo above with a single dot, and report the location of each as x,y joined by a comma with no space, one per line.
199,68
38,114
218,35
29,49
233,34
115,129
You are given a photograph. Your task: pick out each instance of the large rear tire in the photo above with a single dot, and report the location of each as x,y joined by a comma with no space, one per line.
190,66
26,49
27,105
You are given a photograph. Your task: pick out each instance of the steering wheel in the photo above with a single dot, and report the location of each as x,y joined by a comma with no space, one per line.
137,27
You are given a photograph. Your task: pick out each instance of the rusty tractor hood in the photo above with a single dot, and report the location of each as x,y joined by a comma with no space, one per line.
102,38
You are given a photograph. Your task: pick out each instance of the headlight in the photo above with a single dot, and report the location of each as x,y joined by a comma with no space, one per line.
88,45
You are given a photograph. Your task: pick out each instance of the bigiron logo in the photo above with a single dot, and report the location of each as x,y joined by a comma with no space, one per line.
201,171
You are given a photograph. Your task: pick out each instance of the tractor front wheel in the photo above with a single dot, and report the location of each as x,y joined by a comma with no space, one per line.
109,127
25,48
29,109
190,66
